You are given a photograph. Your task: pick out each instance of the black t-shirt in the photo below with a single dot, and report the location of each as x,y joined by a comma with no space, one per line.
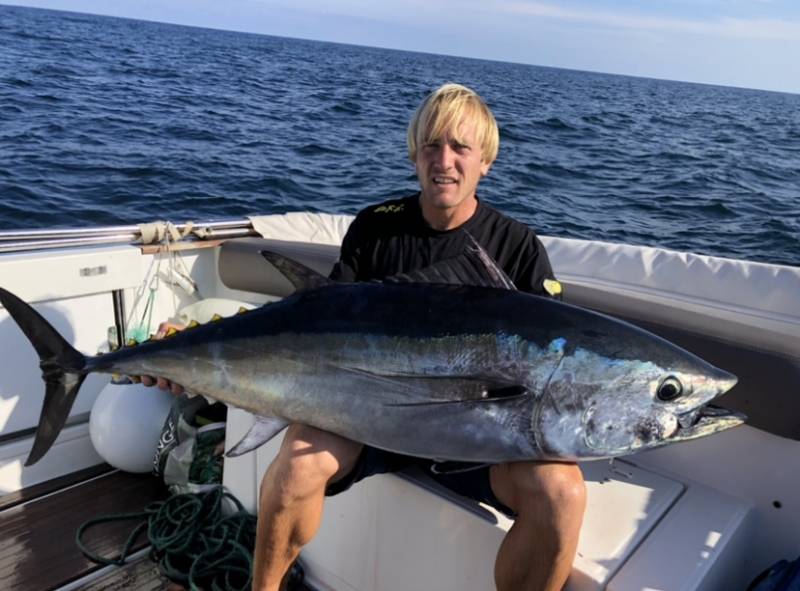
393,237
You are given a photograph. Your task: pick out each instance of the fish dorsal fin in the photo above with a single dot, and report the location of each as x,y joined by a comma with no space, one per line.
472,267
300,276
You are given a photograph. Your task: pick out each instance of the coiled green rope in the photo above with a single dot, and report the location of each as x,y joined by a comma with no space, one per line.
192,539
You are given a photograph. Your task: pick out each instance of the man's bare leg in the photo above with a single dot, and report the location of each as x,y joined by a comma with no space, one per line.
549,499
292,496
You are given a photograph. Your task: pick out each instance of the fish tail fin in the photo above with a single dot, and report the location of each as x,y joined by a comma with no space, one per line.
63,370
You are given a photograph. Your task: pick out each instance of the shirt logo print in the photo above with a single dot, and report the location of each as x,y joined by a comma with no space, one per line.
389,208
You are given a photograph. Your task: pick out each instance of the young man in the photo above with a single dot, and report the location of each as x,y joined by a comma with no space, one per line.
453,141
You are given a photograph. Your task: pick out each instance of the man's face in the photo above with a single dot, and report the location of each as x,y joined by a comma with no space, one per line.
450,167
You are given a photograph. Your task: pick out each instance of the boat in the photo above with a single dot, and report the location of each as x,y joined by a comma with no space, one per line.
709,514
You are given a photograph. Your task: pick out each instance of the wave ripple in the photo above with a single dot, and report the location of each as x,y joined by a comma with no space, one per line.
108,121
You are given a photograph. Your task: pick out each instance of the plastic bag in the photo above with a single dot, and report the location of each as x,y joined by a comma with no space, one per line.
190,450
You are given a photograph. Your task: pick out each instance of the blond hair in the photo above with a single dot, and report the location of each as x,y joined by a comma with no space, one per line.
444,110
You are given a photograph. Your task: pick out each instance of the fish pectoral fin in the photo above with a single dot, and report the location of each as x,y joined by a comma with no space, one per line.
473,267
300,276
417,389
402,385
264,429
500,393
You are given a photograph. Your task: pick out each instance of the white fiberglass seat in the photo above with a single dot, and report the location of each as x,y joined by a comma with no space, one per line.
642,530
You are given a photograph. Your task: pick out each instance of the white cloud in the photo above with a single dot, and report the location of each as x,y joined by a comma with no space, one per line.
743,28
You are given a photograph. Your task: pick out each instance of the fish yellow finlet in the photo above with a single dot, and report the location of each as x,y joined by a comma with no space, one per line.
553,287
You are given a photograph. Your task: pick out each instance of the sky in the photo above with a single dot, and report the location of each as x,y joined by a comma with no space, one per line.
744,43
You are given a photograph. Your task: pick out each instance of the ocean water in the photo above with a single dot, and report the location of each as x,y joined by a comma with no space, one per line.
108,121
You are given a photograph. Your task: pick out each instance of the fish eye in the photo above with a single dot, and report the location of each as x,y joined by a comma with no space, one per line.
669,389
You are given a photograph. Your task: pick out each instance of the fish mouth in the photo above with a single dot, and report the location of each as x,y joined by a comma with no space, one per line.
706,420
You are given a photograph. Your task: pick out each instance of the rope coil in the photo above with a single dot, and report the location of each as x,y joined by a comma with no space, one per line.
156,232
192,539
161,231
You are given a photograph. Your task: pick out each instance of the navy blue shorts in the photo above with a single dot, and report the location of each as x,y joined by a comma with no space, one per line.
473,484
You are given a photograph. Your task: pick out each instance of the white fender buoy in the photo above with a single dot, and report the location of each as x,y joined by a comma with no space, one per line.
126,423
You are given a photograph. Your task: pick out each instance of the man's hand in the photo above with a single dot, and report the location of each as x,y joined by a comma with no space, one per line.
164,383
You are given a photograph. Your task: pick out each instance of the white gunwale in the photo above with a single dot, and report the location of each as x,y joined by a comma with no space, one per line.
708,514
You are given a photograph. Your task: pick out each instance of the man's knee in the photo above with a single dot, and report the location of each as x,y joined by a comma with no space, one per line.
531,486
308,460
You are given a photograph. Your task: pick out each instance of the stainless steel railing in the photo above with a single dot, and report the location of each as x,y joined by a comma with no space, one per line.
39,239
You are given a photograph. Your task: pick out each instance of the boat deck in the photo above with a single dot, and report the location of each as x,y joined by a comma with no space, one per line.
38,525
140,575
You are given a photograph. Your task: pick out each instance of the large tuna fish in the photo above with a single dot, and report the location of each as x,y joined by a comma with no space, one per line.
478,373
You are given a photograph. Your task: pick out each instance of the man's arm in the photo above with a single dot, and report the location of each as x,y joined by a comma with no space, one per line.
532,271
349,266
164,383
346,269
